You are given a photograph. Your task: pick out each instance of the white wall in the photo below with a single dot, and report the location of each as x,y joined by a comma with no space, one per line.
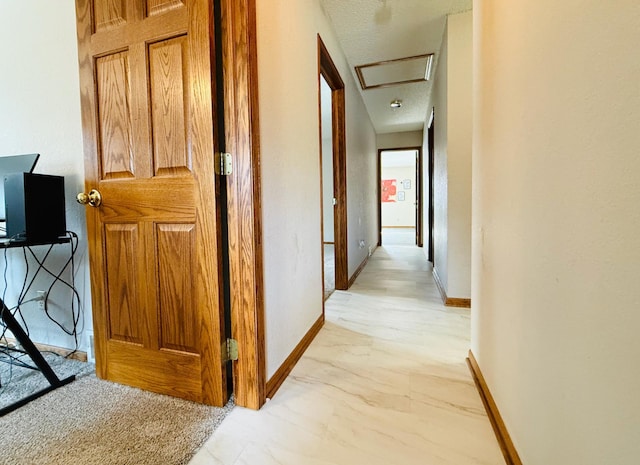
291,188
556,247
459,153
396,140
401,213
40,113
362,174
451,98
440,176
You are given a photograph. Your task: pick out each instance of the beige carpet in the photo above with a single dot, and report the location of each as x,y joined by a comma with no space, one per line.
94,422
17,383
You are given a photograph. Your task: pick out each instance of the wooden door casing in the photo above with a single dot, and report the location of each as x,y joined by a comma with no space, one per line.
149,142
328,70
431,146
419,197
242,139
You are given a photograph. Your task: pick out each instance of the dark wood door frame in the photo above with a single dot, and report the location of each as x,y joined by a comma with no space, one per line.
431,149
419,191
242,140
328,70
419,197
379,190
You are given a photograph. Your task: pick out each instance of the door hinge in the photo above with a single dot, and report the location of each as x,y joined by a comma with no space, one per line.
224,166
230,350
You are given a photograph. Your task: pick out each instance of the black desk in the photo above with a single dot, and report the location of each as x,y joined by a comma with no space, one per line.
23,339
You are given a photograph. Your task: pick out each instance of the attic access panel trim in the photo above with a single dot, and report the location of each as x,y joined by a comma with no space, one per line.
395,72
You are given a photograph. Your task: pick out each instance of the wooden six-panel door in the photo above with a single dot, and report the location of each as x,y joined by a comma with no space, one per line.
146,72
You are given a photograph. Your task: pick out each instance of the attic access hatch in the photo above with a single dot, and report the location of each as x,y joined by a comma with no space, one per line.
395,72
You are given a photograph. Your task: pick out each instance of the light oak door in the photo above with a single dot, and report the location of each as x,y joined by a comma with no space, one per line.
147,91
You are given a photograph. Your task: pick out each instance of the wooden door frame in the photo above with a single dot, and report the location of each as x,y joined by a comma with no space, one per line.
419,197
431,151
419,191
379,191
328,69
242,140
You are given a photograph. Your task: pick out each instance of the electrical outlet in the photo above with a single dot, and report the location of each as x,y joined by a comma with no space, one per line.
91,358
40,298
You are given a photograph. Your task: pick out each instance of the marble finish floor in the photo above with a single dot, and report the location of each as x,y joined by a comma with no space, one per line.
384,383
398,236
329,270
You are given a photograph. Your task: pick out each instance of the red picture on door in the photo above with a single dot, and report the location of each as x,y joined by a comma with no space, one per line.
389,190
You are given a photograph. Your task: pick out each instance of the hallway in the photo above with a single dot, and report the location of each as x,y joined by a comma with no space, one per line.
385,382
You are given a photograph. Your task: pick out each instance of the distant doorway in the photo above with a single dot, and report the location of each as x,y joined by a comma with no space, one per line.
400,206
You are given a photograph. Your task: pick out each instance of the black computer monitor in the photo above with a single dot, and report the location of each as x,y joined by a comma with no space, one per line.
14,164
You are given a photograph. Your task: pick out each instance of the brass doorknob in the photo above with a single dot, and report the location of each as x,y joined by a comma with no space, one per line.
93,198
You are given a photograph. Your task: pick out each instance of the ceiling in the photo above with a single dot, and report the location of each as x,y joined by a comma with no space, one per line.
371,31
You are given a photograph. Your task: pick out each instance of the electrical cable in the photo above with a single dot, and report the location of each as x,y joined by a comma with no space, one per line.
4,293
77,316
76,312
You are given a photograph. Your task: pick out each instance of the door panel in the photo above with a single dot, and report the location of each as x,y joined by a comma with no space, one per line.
114,115
125,322
176,372
168,96
147,108
178,311
109,14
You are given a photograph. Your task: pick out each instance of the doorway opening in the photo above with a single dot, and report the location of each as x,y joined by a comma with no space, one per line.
333,165
400,206
328,198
